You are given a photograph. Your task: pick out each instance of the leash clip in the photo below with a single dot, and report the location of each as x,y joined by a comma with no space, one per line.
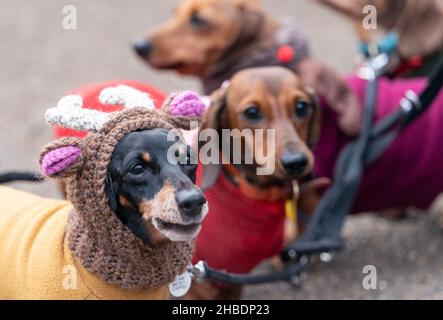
298,279
375,67
198,271
410,102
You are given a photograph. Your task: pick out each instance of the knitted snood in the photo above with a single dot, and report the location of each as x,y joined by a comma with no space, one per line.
102,244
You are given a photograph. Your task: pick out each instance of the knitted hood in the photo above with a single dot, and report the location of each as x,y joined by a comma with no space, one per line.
99,240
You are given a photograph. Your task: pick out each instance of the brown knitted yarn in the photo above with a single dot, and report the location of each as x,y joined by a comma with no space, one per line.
104,245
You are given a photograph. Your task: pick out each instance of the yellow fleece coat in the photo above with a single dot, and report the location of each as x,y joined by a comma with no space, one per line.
35,260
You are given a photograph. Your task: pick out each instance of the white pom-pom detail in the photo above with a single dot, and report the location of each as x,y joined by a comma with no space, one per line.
71,101
70,113
126,96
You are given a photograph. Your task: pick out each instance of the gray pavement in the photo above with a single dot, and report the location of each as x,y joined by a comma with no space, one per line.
40,61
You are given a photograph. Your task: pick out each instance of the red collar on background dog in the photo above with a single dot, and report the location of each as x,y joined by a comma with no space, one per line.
285,54
407,65
254,192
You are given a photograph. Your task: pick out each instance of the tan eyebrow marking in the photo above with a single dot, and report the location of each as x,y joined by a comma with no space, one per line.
146,157
124,202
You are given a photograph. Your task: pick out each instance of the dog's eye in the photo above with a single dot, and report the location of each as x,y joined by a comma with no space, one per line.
302,109
253,113
137,170
197,21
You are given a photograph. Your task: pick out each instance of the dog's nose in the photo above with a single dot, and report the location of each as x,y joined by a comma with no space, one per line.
294,163
190,203
143,48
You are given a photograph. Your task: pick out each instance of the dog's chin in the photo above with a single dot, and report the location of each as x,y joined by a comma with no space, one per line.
176,231
281,178
277,179
278,182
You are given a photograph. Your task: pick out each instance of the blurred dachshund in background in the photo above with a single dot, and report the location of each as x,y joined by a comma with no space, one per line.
418,25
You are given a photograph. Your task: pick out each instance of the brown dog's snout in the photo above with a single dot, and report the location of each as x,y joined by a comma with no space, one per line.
190,202
294,163
143,48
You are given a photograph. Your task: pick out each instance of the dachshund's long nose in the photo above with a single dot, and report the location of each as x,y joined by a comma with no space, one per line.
190,202
294,163
143,48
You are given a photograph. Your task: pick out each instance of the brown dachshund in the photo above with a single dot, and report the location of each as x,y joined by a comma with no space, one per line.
201,34
214,39
260,98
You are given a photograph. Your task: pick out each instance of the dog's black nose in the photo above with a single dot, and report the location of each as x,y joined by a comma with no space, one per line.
294,163
190,202
143,48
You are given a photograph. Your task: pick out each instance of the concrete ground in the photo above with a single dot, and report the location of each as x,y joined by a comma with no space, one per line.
40,61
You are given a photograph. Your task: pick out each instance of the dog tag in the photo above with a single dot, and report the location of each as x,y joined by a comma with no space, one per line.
180,286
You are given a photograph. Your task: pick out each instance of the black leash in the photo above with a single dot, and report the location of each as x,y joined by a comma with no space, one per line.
20,176
291,273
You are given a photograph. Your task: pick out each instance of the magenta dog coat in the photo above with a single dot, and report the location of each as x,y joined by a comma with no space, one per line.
410,173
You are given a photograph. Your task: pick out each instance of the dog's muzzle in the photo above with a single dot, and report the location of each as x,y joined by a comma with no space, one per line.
181,215
180,231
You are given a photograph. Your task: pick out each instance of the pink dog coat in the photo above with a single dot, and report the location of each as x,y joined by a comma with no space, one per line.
410,173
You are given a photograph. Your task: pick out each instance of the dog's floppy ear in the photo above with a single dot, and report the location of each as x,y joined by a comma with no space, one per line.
251,19
62,158
215,118
315,124
111,192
